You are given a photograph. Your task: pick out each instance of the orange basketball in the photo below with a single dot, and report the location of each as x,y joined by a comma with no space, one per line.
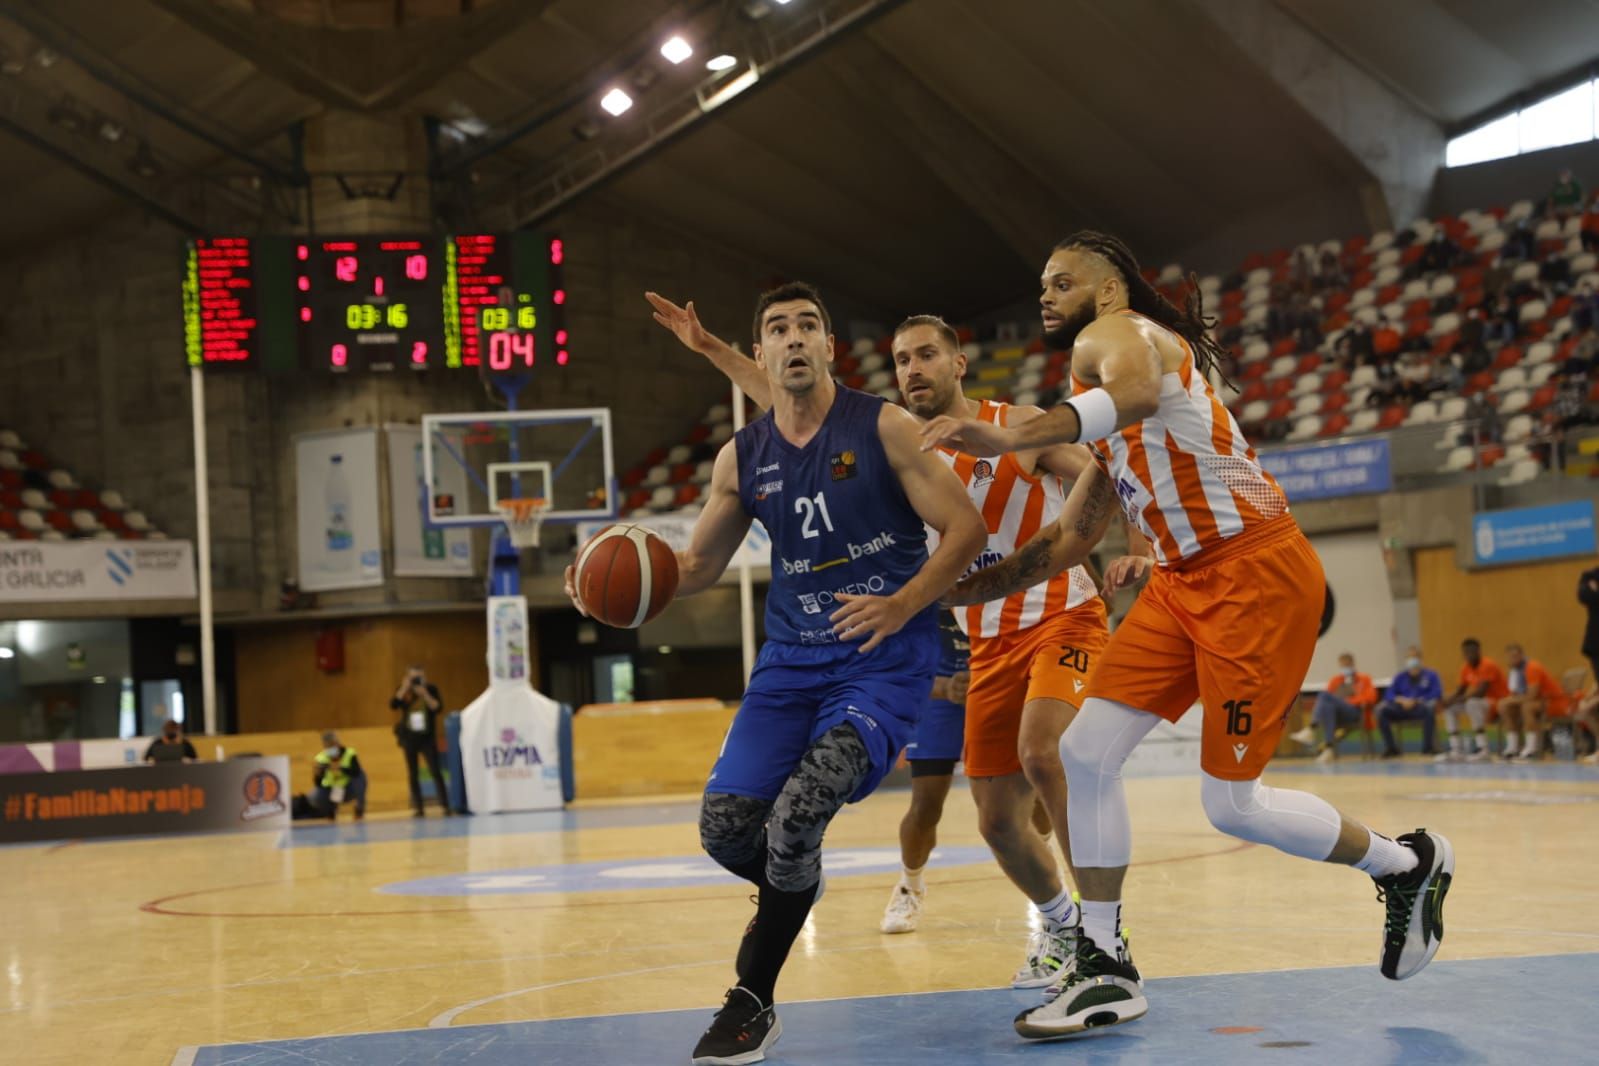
626,575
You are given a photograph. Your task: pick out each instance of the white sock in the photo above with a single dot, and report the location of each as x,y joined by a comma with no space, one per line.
1102,923
1512,742
912,879
1482,741
1060,910
1454,743
1385,856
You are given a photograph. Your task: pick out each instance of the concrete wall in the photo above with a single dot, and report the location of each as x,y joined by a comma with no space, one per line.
92,364
1504,181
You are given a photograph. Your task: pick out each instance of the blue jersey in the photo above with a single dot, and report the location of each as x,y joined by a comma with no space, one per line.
954,648
838,518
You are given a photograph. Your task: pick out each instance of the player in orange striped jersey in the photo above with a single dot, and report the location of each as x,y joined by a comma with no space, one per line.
1031,651
1230,616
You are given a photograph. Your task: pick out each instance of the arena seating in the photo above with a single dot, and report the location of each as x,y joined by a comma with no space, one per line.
42,501
1287,393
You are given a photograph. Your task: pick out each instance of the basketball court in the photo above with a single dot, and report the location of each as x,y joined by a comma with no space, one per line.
602,934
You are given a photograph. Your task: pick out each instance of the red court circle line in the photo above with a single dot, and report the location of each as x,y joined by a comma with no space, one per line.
158,906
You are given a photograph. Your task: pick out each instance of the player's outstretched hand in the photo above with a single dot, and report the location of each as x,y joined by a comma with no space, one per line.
872,618
571,589
1125,573
970,435
683,322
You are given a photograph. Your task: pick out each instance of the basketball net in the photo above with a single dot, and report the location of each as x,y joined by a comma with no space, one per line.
523,517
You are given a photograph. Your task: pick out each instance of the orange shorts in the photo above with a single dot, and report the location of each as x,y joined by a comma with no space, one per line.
1051,660
1234,627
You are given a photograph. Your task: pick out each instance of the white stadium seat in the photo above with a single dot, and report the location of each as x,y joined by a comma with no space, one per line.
972,351
1380,240
1513,401
1027,398
112,500
862,346
1305,428
1364,375
1513,377
1416,289
1257,294
721,433
1170,274
52,534
1387,275
1386,258
1580,264
1362,298
1256,316
1548,229
1442,285
1521,471
1540,374
35,499
1542,352
1367,315
1460,458
1515,453
1307,404
1448,322
1258,276
679,454
1364,421
1452,409
84,521
28,518
1394,312
1256,348
1254,411
662,497
1491,241
1307,384
1358,397
1518,428
874,361
1519,210
879,380
1282,366
1524,272
1532,311
10,460
719,413
656,475
1331,244
9,439
1422,414
61,479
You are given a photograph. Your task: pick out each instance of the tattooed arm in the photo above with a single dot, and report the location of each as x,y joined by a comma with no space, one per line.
1055,548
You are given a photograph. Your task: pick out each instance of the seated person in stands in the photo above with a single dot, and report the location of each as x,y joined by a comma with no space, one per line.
1350,696
1438,254
1501,325
337,778
1358,343
170,746
1520,242
1534,697
1413,696
1590,226
1565,198
1330,272
1585,307
1555,273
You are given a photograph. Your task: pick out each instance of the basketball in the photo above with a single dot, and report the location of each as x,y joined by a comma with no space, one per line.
626,575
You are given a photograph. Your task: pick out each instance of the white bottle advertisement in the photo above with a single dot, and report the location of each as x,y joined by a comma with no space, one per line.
339,534
421,550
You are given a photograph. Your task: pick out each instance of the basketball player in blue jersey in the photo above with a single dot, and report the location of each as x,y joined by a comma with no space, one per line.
838,479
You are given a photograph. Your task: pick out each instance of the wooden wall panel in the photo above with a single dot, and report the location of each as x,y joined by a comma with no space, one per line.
281,689
642,749
1534,605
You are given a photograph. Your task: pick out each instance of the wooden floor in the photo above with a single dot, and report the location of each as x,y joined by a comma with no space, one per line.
130,952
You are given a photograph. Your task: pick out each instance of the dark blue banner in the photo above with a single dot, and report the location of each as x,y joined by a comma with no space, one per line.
1323,471
1526,533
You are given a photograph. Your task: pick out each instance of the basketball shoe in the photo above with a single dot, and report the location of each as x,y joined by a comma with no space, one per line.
740,1033
904,910
1414,926
1095,991
1049,955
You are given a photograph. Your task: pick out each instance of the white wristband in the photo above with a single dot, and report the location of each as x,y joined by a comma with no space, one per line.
1096,414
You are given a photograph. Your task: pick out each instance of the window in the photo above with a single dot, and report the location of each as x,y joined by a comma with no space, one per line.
1568,117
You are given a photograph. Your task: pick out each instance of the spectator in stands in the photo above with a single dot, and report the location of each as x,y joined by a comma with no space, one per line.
1500,328
1555,274
1438,254
1302,274
1569,408
1349,697
1565,198
1413,696
337,778
1520,243
1482,686
1482,422
419,706
170,746
1590,226
1358,344
1533,696
1584,307
1415,377
1330,272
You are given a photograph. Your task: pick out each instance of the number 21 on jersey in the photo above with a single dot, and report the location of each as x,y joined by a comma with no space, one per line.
808,508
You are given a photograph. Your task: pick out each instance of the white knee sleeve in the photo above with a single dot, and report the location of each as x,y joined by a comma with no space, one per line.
1093,750
1296,822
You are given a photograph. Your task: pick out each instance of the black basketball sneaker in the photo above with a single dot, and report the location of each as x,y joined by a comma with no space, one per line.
740,1033
1414,926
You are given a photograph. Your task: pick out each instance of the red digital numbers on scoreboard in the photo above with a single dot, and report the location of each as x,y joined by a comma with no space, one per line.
219,302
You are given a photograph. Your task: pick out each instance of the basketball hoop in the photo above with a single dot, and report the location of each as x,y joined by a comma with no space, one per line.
523,517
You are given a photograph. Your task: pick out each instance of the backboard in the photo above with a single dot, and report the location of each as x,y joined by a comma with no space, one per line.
563,456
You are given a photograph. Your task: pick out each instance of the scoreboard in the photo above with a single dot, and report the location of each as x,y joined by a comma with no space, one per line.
491,302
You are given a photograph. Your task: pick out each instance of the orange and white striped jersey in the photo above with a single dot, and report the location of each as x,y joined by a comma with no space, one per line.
1014,505
1186,477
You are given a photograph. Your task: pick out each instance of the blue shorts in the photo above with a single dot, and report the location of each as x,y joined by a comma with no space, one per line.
797,694
940,732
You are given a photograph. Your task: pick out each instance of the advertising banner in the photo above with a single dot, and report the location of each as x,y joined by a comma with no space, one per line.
44,571
418,550
510,756
1525,534
676,529
1325,471
140,800
336,483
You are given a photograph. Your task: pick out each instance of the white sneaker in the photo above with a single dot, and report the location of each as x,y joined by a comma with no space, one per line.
1480,755
1326,755
904,910
1529,752
1446,756
1049,955
1305,736
1098,991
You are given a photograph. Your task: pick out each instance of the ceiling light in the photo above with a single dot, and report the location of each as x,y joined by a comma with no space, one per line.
616,101
111,131
8,653
721,62
45,57
729,90
675,50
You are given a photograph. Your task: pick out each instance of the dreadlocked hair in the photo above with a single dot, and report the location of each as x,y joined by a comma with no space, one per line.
1190,321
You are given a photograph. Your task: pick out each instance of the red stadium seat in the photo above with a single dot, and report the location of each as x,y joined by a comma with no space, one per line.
1542,398
1385,341
1593,393
1411,254
1336,320
11,500
1334,425
1418,308
964,334
698,433
8,521
1335,402
1469,298
1255,391
682,472
1231,316
1354,245
1335,380
1035,346
1254,262
686,495
1232,298
886,345
1389,293
1568,346
1469,278
1478,383
1281,409
1508,357
1445,343
112,520
1550,246
59,520
10,479
636,499
632,477
656,457
35,460
856,381
1279,388
1336,300
1361,279
1391,417
1285,346
1255,370
1488,455
65,499
1308,364
1538,327
1418,327
1560,308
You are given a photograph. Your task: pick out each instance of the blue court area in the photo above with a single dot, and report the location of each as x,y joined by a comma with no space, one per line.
435,827
1528,1010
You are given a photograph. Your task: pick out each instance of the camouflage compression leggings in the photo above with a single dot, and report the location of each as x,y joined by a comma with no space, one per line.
737,830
